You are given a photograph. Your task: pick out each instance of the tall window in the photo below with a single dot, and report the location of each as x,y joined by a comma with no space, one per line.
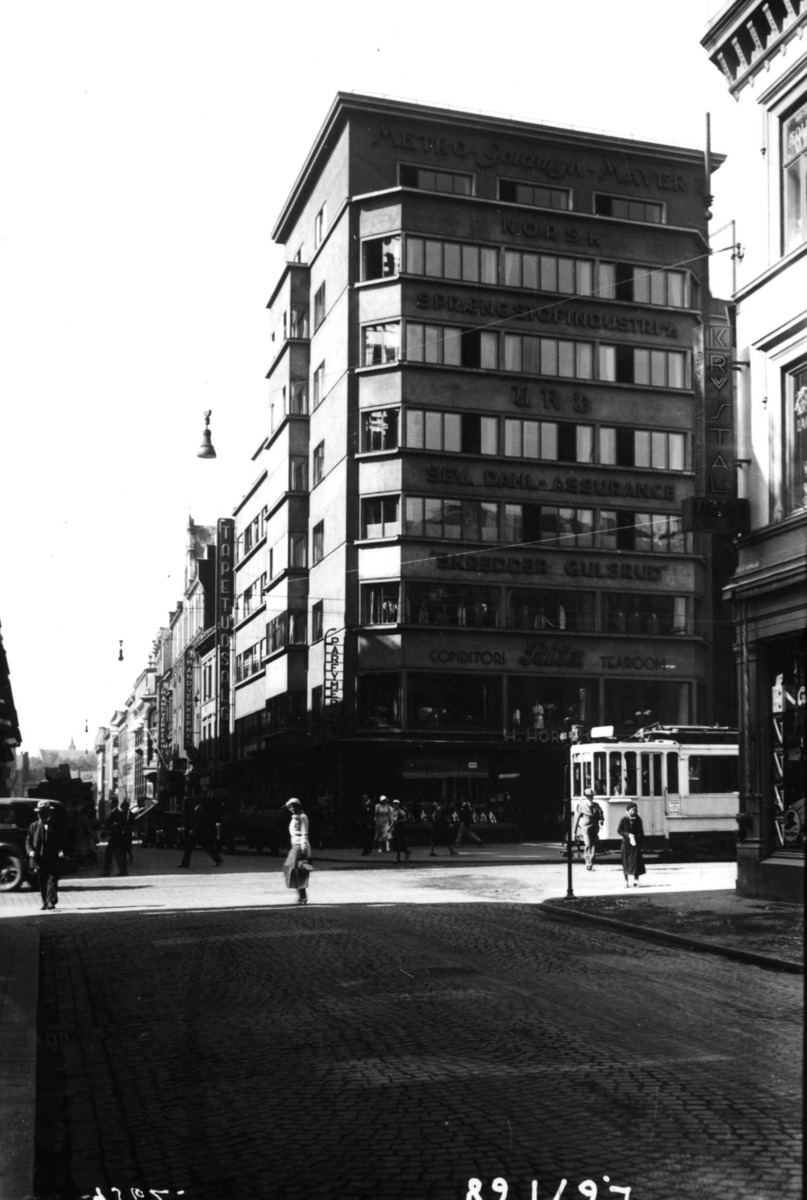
318,542
794,182
651,448
548,356
438,517
552,440
318,462
380,517
644,285
381,257
317,617
320,221
319,385
653,368
319,306
453,182
379,429
382,343
297,550
647,613
298,474
535,195
379,603
795,439
298,327
459,433
450,260
298,399
628,209
548,272
451,346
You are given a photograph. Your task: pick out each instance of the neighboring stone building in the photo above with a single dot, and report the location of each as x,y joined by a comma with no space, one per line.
10,736
760,48
466,527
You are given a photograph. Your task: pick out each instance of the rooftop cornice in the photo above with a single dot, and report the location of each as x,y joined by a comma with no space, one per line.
747,35
350,103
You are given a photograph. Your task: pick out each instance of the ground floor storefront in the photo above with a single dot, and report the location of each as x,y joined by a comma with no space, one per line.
770,595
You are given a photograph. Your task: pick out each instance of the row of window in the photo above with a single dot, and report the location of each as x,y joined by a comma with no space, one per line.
524,354
468,262
557,526
491,521
453,605
553,441
515,191
543,609
467,701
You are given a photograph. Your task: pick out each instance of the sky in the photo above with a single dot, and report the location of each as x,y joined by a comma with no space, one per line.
146,152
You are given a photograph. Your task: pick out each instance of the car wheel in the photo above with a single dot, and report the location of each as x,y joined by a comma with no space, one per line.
11,872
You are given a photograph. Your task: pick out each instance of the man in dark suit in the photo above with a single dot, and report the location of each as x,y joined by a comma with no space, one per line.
44,844
201,832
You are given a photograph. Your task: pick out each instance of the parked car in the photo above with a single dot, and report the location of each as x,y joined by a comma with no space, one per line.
16,815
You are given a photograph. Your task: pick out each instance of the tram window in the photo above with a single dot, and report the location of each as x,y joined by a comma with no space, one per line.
630,773
713,773
657,787
651,774
586,775
599,773
576,789
672,772
645,774
615,773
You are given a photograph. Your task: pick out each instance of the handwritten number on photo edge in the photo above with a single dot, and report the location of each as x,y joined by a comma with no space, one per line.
500,1185
588,1188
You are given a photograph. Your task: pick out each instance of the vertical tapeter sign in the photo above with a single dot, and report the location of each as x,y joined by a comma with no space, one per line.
224,619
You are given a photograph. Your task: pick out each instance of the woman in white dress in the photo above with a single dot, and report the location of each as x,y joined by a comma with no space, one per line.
383,824
295,867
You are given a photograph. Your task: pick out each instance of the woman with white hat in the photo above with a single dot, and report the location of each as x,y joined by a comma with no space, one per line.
297,864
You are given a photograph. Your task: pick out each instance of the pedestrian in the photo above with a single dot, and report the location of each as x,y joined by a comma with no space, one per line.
44,845
115,840
441,830
383,824
631,831
201,832
589,817
467,817
368,824
128,830
298,860
399,840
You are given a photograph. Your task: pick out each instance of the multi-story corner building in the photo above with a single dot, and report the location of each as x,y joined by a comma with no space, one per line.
761,51
481,432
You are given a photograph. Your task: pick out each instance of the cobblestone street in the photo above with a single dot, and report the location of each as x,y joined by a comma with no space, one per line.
369,1045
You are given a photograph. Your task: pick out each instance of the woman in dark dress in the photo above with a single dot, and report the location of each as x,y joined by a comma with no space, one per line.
400,843
631,830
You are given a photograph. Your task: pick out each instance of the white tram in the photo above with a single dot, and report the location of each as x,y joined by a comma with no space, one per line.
684,779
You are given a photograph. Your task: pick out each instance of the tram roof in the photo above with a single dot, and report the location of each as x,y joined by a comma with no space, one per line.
676,734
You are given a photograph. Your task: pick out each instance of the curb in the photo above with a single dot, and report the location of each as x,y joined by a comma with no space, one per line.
678,939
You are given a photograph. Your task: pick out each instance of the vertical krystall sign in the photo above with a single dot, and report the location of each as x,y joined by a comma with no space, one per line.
224,619
719,445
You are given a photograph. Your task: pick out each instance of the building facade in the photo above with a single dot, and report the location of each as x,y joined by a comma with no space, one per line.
466,530
759,47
